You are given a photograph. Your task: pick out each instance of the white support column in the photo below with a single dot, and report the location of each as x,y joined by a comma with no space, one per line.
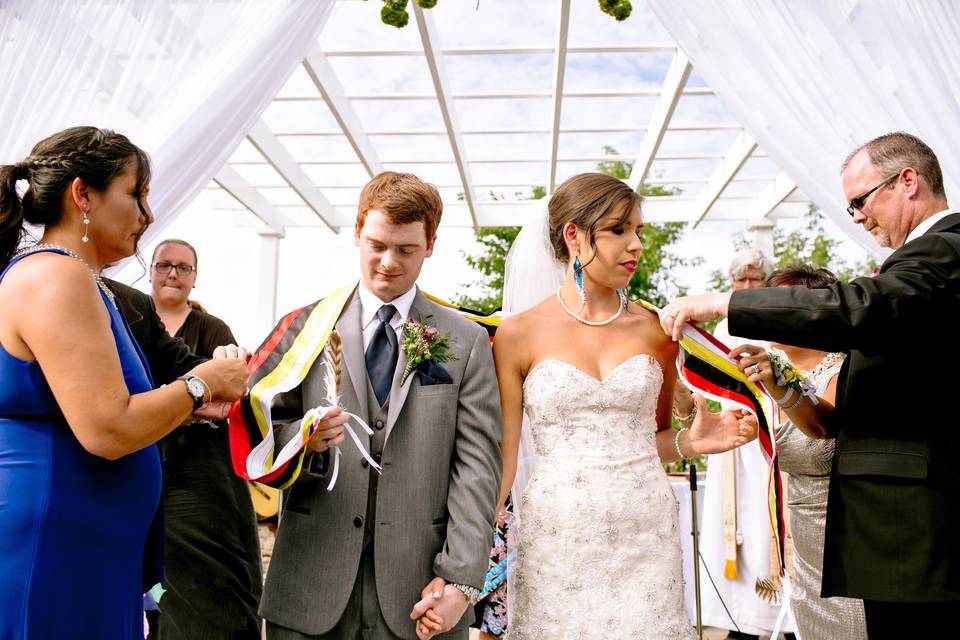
760,235
267,285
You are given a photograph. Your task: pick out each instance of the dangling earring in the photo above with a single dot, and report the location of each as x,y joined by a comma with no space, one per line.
86,227
578,278
623,296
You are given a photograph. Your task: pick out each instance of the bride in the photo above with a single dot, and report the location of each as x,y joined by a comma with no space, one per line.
597,544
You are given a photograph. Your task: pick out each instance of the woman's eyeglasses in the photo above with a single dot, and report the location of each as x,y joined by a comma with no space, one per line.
164,268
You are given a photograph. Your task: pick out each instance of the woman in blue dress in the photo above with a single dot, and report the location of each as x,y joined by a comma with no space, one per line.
80,477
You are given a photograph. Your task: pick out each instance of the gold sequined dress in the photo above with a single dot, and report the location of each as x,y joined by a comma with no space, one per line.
808,462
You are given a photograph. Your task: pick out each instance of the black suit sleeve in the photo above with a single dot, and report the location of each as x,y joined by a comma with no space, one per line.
917,284
168,357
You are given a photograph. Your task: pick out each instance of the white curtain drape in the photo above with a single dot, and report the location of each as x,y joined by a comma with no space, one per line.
183,79
813,79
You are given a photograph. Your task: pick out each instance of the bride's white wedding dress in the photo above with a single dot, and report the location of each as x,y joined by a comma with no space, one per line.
598,549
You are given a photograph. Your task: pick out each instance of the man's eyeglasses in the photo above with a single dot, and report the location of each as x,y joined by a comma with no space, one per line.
857,203
164,268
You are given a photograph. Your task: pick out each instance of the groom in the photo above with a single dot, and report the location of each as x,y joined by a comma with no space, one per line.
353,561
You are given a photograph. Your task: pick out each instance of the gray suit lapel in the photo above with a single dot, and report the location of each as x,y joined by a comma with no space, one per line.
398,393
352,336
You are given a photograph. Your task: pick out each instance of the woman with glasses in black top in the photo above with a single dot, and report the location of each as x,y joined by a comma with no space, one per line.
213,579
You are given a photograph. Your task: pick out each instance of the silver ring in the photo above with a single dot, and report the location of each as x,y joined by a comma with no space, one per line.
756,369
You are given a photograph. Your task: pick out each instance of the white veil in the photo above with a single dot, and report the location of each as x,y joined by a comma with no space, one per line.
531,274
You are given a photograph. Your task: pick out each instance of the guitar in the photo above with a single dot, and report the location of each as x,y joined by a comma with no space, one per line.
266,500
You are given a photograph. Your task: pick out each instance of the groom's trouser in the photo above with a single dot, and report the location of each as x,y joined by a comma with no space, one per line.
361,619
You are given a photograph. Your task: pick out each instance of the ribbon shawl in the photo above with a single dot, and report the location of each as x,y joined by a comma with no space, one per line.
703,366
280,365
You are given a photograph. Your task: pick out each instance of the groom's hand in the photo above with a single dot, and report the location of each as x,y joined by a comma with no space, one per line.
329,431
440,609
692,309
428,621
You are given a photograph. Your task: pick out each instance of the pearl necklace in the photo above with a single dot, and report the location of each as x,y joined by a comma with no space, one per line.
828,361
42,246
590,323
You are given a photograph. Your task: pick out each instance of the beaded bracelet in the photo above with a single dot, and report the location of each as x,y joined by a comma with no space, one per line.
786,397
676,443
795,404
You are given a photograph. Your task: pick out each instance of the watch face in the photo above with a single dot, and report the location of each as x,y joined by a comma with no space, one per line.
196,388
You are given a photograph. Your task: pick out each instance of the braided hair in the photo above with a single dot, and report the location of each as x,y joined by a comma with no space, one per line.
96,156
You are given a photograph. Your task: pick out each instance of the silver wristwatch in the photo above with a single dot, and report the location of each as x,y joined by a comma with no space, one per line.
472,593
197,389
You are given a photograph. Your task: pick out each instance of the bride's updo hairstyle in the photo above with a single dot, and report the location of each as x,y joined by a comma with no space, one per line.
584,200
96,156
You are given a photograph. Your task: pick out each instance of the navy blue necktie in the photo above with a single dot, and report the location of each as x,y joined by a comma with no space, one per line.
382,353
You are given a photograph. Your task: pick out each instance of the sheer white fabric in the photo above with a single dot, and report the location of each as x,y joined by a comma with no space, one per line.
531,274
813,79
599,551
185,80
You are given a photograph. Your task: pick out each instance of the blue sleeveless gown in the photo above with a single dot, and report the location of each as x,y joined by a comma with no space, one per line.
74,527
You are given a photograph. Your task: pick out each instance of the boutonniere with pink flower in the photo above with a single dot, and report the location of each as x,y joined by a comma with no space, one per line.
425,348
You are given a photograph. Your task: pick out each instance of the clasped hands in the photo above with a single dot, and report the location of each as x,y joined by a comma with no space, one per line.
440,608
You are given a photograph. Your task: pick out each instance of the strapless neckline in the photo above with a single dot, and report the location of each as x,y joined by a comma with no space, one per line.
600,381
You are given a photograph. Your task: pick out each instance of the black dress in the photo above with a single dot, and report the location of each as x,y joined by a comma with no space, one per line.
213,577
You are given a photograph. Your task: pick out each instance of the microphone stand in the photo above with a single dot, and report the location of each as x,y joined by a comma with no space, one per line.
696,544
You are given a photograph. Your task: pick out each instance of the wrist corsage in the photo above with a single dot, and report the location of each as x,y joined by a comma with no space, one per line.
423,345
787,375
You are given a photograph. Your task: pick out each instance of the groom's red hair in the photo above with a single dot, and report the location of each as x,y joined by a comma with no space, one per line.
403,198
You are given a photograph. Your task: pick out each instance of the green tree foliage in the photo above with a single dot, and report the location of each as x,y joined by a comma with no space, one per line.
808,244
491,261
495,242
395,14
655,279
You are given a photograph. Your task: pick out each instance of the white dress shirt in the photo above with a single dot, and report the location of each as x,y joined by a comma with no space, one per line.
370,305
924,226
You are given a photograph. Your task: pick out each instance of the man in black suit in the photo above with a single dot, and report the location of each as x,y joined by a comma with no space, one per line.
893,516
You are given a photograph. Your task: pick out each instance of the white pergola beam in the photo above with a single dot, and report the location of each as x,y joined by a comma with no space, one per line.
649,47
428,36
673,85
507,213
327,83
772,196
234,184
498,131
290,170
487,95
743,145
559,66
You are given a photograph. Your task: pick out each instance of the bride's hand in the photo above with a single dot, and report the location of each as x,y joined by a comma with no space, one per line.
717,432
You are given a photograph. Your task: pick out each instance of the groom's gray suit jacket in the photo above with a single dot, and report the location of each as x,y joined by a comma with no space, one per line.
435,501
